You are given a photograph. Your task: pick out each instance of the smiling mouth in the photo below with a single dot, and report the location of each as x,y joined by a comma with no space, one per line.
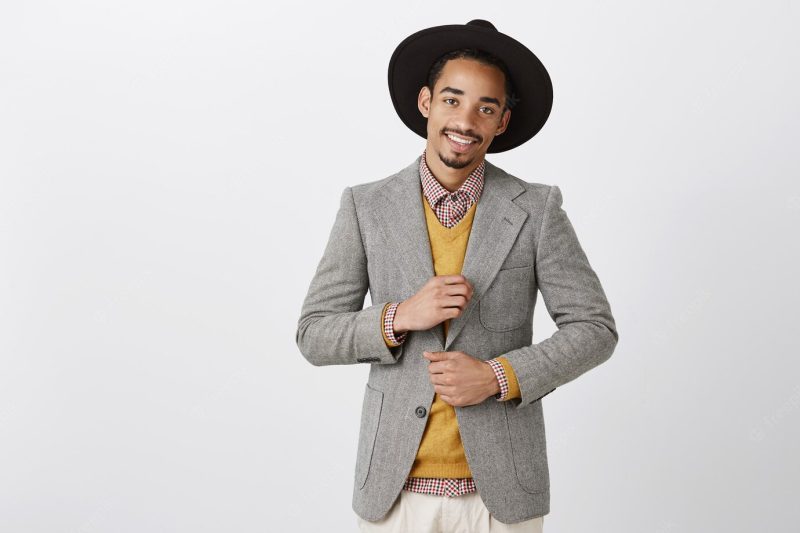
460,144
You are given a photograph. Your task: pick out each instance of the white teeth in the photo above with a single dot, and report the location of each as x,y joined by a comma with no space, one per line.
459,140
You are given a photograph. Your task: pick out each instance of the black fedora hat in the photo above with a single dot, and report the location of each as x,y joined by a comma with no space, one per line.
413,58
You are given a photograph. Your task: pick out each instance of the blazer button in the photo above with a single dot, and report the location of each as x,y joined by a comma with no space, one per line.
420,411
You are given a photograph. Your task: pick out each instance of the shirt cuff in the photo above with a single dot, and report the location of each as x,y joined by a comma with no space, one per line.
511,377
387,319
509,386
500,373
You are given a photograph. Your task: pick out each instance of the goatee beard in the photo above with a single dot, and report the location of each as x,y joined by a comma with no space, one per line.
454,163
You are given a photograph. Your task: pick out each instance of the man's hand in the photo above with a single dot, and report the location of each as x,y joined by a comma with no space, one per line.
440,299
461,379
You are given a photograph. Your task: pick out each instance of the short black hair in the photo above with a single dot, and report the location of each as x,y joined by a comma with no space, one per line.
482,56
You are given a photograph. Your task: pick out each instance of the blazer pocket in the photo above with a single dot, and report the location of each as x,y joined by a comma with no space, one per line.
528,449
504,305
370,419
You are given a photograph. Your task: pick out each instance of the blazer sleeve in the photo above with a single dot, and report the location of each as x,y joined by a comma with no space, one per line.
334,327
575,300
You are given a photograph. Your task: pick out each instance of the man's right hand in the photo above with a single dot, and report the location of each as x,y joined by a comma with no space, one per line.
440,299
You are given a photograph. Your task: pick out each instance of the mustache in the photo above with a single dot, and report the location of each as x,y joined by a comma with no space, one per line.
477,138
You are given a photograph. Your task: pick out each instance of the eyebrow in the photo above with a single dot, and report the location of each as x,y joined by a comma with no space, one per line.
487,99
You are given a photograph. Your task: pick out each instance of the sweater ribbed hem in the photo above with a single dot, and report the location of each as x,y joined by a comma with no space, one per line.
452,470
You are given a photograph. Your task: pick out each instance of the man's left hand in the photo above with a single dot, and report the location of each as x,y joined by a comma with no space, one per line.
461,379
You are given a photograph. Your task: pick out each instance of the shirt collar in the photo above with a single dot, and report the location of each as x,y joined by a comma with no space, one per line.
435,191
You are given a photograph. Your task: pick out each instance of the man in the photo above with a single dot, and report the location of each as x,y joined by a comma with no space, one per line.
453,251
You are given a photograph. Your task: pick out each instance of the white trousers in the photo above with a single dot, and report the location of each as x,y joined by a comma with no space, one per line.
413,512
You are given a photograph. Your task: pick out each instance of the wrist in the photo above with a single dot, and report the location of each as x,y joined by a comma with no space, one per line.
397,322
493,384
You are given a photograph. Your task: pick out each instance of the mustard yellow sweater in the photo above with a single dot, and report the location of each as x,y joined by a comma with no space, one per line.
441,453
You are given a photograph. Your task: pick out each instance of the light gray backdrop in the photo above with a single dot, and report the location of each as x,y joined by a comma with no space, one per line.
170,173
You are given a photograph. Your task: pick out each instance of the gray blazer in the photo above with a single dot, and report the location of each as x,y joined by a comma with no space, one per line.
521,241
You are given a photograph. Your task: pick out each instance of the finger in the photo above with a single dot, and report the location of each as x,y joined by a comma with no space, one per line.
451,400
435,356
458,300
436,368
439,379
457,289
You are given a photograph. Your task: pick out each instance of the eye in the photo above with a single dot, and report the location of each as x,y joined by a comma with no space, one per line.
489,109
446,99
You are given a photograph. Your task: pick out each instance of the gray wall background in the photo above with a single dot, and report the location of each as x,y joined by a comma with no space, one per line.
153,260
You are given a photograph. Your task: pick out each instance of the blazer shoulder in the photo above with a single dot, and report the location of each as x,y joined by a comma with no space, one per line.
535,193
369,187
366,192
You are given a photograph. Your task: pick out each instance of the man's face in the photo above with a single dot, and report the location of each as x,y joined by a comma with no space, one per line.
466,102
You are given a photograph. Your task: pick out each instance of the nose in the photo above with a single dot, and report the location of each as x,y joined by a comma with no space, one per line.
465,122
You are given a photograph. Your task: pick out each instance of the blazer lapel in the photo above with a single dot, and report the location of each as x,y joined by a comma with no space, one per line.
403,218
495,226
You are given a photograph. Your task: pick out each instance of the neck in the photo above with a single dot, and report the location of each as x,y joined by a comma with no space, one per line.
450,178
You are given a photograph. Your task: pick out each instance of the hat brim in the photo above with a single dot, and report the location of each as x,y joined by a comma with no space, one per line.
412,59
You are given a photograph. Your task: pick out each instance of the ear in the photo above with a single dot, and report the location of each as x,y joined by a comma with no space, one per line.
424,101
503,122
